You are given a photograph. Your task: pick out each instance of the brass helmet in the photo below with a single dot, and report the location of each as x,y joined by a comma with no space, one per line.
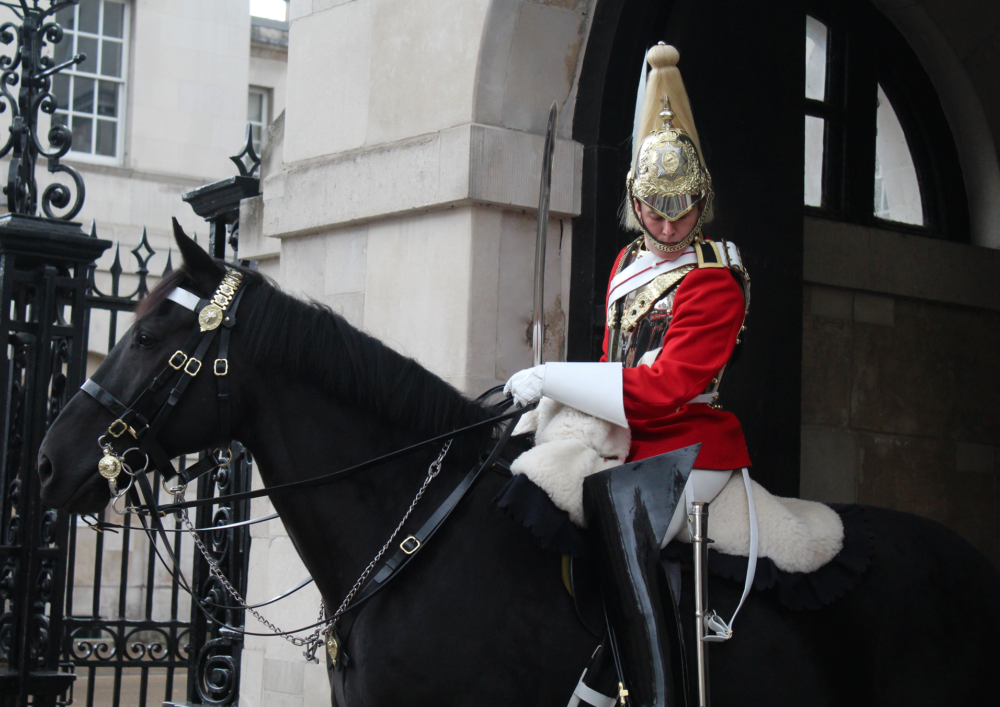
668,171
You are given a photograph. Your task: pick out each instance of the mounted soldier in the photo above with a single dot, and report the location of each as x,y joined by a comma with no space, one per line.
676,304
443,602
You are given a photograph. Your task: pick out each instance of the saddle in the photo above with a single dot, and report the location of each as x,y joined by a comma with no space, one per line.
551,528
799,536
811,553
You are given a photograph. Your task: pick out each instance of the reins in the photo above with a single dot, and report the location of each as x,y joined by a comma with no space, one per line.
348,472
362,591
307,483
150,411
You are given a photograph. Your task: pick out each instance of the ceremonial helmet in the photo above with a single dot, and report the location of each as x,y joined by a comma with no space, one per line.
668,171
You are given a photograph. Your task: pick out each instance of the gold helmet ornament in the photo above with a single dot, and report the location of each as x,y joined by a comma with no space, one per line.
668,171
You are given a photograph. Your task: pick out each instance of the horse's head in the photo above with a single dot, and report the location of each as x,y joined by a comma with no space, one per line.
70,452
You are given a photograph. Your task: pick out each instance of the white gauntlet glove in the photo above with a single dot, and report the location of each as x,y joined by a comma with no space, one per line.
593,388
526,386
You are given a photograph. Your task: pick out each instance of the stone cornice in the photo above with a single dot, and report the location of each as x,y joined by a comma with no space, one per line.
467,164
878,260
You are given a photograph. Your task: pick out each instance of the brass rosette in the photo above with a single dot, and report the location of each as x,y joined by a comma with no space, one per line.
110,466
211,316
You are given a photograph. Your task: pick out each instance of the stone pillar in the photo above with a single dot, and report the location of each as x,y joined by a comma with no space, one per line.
400,188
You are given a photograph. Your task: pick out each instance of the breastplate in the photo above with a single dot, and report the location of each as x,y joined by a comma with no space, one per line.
638,321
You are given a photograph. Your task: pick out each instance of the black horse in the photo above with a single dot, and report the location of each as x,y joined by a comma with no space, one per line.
481,616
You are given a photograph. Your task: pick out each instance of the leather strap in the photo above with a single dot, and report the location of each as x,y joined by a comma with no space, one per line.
113,404
202,466
723,630
338,671
220,367
149,438
590,696
408,550
348,472
391,567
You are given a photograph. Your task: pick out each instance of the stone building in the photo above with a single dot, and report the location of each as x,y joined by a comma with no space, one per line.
400,181
160,103
156,109
400,186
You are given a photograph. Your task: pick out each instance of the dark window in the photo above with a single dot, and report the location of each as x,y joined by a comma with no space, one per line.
878,149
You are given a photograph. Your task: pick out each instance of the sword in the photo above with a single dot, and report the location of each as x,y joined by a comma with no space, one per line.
544,192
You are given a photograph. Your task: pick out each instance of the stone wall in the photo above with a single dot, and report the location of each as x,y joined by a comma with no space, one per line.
269,61
900,383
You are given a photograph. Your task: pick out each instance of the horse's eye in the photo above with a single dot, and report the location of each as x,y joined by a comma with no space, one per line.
145,340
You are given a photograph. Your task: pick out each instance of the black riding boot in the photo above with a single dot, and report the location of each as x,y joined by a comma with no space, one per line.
628,509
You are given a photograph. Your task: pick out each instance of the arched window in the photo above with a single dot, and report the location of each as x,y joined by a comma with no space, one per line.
878,149
897,190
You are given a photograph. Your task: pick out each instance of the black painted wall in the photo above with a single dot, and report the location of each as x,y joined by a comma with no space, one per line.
743,63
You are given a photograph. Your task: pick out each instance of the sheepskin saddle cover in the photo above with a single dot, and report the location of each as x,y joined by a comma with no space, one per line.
797,535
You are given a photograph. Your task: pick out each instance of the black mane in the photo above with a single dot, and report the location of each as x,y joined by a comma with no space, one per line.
282,331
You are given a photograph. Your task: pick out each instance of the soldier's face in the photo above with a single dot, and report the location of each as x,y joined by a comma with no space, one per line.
667,232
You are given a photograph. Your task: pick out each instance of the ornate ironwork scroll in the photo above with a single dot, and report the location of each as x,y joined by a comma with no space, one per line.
30,71
43,279
42,284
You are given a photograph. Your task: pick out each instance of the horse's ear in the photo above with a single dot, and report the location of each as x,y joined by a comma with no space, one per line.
197,262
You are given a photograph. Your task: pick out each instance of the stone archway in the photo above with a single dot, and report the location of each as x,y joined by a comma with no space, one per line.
960,99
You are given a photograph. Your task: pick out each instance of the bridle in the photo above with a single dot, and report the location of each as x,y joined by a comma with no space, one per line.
145,417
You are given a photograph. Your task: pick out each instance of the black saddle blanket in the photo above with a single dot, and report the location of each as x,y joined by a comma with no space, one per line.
552,529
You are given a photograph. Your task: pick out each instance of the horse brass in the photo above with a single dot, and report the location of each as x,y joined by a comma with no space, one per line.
332,647
110,466
210,317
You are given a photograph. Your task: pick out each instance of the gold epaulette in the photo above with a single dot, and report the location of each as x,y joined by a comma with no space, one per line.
715,255
710,255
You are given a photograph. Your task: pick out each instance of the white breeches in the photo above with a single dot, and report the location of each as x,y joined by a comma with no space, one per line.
702,487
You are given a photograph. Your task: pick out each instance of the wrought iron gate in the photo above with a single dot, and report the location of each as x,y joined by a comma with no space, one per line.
91,618
128,632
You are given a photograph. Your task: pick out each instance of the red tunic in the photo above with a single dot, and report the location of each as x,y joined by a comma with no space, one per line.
708,312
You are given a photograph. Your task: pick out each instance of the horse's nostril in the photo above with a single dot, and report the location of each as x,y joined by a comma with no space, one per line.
44,468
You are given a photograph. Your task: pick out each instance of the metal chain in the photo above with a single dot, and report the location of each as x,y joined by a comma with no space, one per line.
213,567
313,641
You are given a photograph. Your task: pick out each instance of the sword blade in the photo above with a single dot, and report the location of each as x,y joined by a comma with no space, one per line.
544,192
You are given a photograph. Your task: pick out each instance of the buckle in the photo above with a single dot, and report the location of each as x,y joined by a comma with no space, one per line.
187,368
224,371
412,549
120,432
180,364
